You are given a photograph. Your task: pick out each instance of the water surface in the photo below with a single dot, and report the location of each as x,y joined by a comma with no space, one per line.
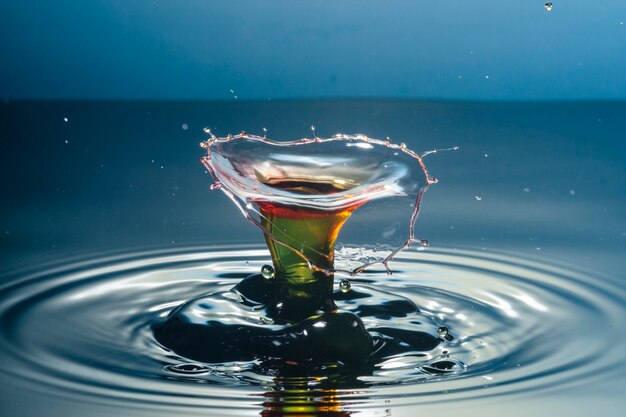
107,223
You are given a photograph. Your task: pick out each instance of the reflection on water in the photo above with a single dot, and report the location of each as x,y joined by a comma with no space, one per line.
519,326
535,304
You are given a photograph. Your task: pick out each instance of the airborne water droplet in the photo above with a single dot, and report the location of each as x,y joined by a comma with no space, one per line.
548,6
268,272
478,197
345,285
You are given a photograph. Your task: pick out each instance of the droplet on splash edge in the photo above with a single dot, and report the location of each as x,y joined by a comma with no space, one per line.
267,271
345,285
216,186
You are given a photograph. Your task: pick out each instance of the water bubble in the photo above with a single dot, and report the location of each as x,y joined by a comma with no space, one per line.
548,6
267,271
345,285
442,331
478,197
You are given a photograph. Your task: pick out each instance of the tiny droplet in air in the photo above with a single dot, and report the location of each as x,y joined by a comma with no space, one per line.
478,197
548,6
345,285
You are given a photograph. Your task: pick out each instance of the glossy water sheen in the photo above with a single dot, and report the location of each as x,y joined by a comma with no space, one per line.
84,331
541,281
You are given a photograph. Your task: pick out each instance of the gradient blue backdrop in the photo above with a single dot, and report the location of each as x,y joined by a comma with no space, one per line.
198,49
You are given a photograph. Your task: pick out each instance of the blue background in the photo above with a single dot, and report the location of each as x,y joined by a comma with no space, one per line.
470,50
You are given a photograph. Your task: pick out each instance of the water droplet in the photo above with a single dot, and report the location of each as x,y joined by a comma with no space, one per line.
185,126
572,192
266,320
478,197
264,132
548,6
526,189
65,119
442,332
268,272
216,186
67,141
403,145
486,155
387,141
345,285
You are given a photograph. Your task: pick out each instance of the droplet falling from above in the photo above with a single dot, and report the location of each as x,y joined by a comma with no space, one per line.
345,285
548,6
267,271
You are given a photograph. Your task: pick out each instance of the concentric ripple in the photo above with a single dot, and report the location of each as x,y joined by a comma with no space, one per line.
83,331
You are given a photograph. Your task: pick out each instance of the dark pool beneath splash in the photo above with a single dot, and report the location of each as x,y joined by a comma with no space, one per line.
113,205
